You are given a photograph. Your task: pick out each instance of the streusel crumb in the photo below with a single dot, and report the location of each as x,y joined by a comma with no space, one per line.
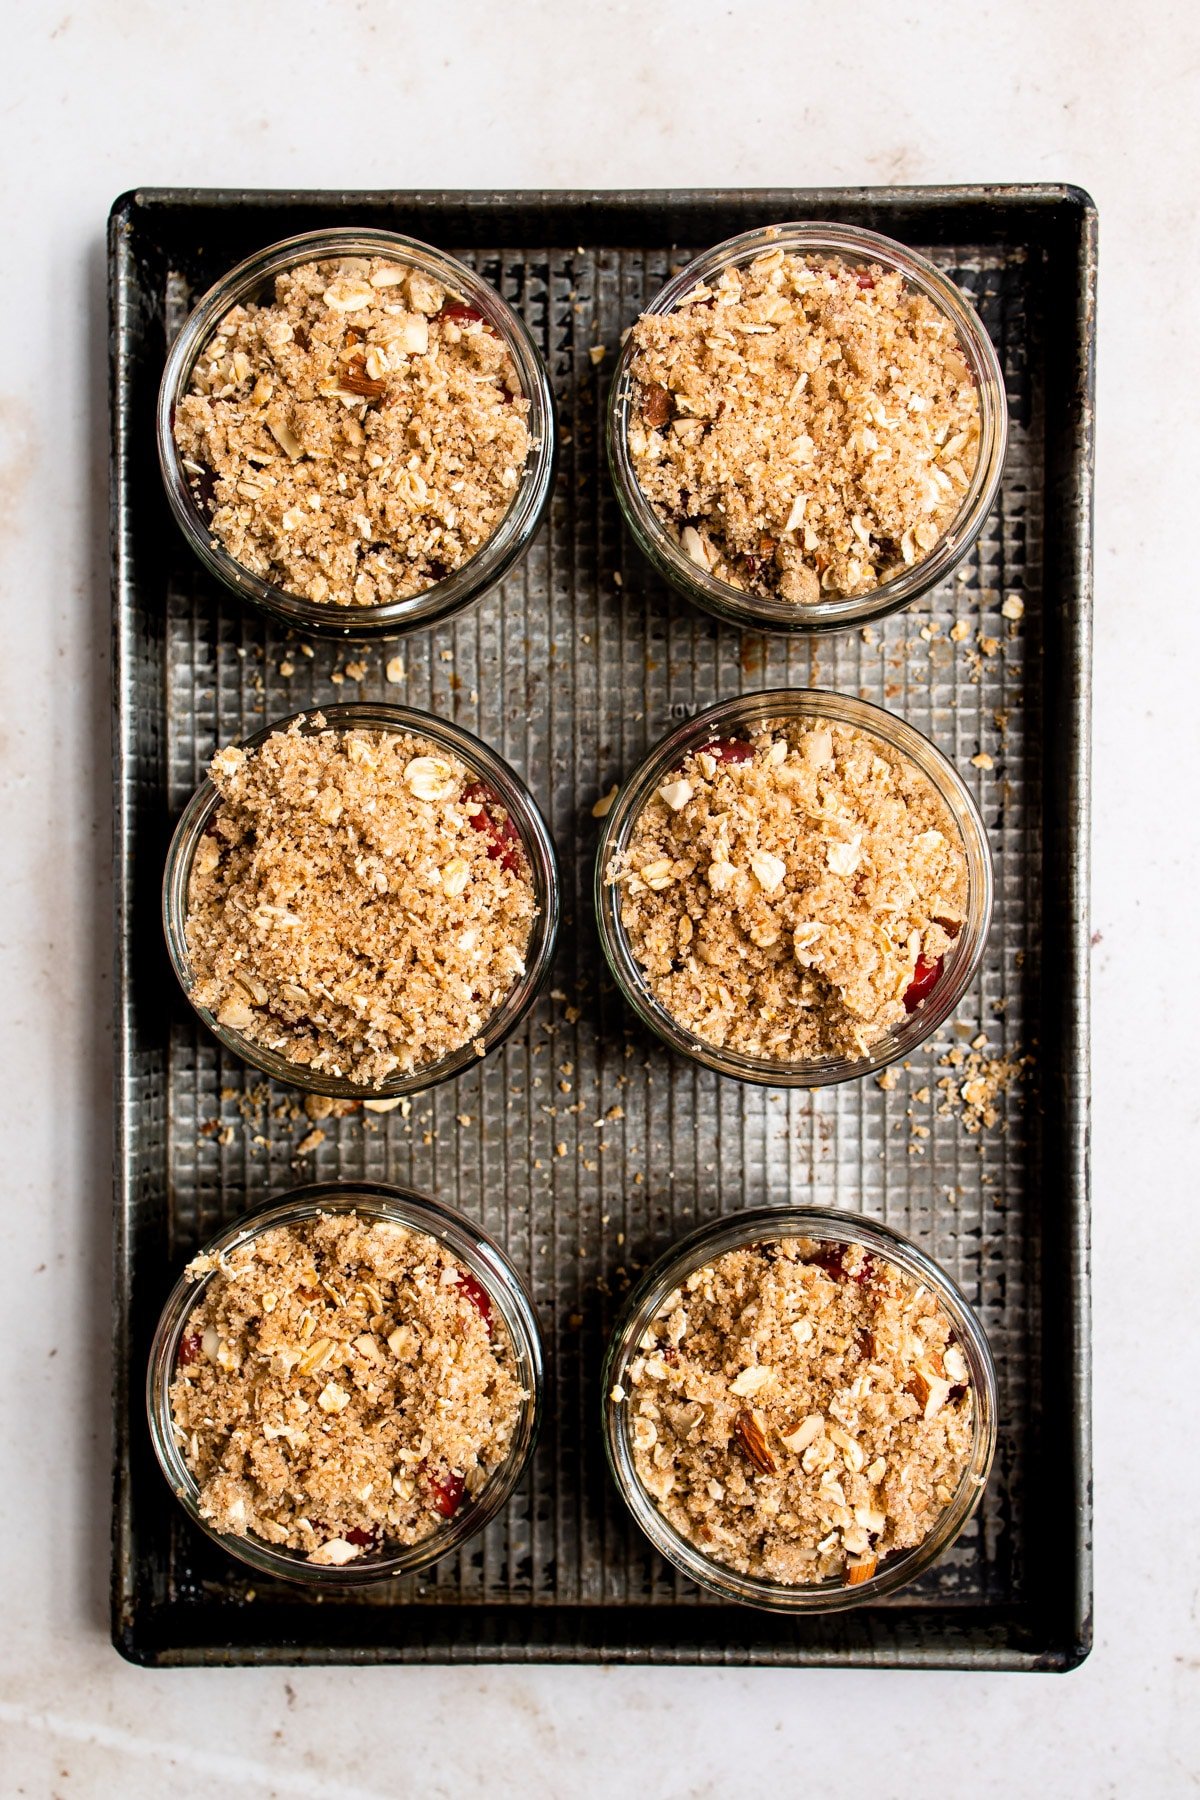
360,904
784,892
340,1387
357,438
800,1411
804,426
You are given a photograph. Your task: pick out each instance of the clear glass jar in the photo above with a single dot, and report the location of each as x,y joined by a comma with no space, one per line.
479,1255
765,1224
729,718
536,842
838,612
250,280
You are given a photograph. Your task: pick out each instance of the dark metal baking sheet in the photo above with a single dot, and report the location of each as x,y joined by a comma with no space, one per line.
571,670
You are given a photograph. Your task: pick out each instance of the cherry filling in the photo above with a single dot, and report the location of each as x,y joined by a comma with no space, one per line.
462,313
832,1258
864,280
189,1348
729,750
504,840
364,1538
925,978
446,1492
474,1291
204,491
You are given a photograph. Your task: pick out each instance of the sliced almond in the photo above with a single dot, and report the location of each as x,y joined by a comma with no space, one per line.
455,875
752,1438
696,547
676,793
657,874
805,1433
752,1381
767,870
348,294
334,1552
316,1356
430,778
844,858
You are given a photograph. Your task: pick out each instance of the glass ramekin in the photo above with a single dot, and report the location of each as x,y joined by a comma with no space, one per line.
838,612
727,719
491,1268
536,842
512,537
764,1224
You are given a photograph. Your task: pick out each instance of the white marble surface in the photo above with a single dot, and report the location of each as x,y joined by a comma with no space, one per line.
99,98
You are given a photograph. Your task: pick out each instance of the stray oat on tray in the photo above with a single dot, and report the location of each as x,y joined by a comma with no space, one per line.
340,1387
805,427
793,894
798,1411
356,439
360,904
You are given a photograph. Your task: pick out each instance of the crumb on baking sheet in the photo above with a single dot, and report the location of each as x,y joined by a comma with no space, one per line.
805,427
358,437
781,892
975,1082
340,1386
357,905
800,1411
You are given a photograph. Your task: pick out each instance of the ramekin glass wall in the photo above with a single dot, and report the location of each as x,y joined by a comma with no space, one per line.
762,1225
511,539
837,612
746,713
490,1267
536,842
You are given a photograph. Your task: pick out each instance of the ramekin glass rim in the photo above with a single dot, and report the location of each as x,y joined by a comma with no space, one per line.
745,711
536,841
761,1224
470,1244
838,612
511,537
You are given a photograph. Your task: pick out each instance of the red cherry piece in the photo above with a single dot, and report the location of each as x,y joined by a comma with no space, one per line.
503,837
446,1492
925,979
864,280
730,750
189,1348
865,1269
477,1294
363,1540
829,1258
463,314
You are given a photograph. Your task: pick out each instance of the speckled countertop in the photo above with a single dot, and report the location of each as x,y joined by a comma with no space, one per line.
101,97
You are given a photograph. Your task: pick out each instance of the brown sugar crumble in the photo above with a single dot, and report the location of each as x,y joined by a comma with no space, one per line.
805,427
788,895
800,1411
359,905
357,438
340,1387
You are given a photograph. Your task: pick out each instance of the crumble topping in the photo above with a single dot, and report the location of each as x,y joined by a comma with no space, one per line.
793,894
357,438
360,903
800,1411
805,427
340,1386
